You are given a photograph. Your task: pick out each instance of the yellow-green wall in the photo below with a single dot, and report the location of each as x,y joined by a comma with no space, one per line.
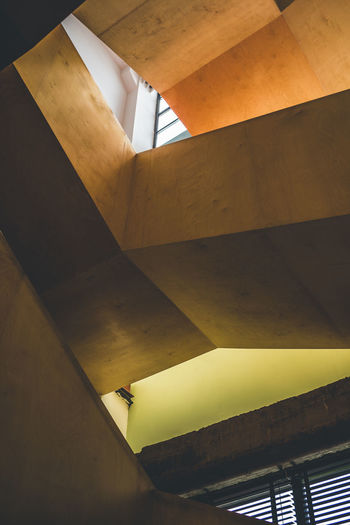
224,383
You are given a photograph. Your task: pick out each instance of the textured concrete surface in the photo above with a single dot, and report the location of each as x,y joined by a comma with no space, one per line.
251,441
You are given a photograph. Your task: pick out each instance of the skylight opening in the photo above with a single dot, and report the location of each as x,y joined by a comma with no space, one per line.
168,127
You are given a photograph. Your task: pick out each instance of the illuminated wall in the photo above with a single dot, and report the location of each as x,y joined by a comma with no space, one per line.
224,383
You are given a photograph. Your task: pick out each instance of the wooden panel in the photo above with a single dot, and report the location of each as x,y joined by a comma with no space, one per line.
265,73
45,211
286,167
65,460
321,262
98,16
24,23
57,233
120,326
322,29
85,126
242,291
167,40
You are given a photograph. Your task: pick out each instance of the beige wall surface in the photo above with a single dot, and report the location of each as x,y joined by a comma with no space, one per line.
224,383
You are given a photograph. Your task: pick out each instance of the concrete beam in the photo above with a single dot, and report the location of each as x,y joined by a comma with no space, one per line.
243,444
63,242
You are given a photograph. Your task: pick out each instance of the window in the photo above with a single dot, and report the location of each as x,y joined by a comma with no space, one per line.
168,127
316,493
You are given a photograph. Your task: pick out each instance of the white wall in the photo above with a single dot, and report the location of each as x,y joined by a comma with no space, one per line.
119,410
124,91
144,118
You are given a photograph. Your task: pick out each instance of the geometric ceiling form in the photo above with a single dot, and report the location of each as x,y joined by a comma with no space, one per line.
284,287
71,443
167,40
302,55
286,167
148,260
119,324
281,287
266,72
231,288
322,30
83,123
220,65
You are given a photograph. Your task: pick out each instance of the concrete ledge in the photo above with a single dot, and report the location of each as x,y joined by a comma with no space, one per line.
249,442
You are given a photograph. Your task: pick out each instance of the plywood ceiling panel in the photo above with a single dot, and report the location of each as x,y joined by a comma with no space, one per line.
286,167
242,292
322,28
110,312
167,40
85,126
99,15
265,73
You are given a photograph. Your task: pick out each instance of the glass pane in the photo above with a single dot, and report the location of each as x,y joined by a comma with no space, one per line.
170,133
162,105
166,118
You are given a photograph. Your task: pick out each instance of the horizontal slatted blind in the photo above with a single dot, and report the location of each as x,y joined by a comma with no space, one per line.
316,495
330,494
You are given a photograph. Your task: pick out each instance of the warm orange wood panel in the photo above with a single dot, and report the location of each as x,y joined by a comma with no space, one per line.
286,167
167,40
265,73
322,28
85,126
